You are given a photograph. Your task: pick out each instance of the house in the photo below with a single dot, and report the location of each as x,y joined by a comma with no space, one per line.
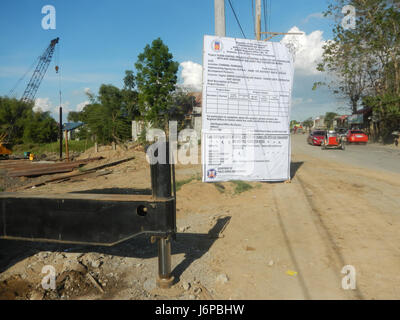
319,122
72,129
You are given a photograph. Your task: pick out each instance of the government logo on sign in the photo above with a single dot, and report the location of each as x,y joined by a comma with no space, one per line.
212,173
216,45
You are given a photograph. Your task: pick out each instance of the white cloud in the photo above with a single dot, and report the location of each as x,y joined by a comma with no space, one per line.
43,104
316,15
296,101
308,48
80,106
192,74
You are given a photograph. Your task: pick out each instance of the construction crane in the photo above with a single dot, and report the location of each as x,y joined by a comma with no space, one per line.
40,71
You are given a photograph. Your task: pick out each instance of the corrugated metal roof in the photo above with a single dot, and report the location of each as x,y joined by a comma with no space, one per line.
72,125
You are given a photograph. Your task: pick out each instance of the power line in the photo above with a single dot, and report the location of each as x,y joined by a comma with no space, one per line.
269,15
252,14
20,79
237,19
265,14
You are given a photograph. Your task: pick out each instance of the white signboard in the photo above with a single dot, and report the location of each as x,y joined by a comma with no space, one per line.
247,86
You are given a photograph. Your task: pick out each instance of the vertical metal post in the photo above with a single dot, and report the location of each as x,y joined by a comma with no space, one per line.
219,15
161,175
258,19
66,145
60,132
161,187
165,279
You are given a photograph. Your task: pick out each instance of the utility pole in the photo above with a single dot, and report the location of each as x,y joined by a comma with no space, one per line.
258,19
219,13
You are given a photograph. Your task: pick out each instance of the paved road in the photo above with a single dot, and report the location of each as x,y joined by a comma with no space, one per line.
370,156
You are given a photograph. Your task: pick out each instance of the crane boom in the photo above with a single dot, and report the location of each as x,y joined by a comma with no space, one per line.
40,71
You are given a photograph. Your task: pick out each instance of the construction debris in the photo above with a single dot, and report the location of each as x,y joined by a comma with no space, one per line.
21,168
74,176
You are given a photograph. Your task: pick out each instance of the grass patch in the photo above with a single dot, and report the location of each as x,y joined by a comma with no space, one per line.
53,147
241,186
179,184
220,187
82,169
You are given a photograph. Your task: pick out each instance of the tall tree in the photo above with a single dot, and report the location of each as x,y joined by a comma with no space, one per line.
107,117
156,79
130,96
22,124
328,119
364,61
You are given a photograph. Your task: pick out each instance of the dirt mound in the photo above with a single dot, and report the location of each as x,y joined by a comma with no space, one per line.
15,288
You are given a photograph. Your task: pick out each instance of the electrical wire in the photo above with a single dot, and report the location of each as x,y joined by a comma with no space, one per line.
252,14
20,79
265,15
269,15
59,75
237,19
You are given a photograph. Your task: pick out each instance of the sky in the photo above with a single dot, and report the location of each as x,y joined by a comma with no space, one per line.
101,39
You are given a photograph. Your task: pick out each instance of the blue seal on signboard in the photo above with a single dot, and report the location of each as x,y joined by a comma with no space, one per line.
216,45
212,173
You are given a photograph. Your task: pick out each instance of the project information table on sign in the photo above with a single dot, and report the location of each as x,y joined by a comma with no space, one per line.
247,87
253,102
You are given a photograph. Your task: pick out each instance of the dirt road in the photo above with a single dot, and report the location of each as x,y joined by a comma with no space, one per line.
274,241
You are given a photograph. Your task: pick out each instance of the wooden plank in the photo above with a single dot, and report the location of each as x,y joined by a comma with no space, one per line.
40,172
111,164
72,175
42,169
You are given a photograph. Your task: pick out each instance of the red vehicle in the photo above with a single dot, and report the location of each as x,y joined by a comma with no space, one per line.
356,136
332,141
316,137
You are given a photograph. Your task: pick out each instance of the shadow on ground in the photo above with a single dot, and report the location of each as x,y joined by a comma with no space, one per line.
294,166
193,245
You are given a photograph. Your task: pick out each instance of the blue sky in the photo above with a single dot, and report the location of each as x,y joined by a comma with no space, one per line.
101,39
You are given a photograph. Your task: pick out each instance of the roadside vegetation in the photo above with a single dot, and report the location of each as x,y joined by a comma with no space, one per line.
180,183
52,147
150,95
241,186
20,123
363,61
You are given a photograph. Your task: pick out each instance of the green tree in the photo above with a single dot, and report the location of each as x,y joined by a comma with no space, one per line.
365,61
328,120
40,127
308,123
107,117
130,96
74,116
156,79
22,124
13,114
182,105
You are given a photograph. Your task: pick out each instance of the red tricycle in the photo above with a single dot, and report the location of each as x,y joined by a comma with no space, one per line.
332,141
